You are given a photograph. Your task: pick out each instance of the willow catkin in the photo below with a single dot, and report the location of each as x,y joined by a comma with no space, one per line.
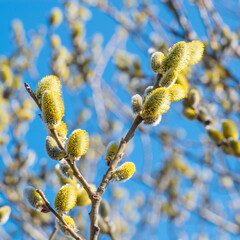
124,172
196,51
70,223
177,92
53,150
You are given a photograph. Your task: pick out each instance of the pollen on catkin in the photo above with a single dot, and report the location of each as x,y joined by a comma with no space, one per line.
48,83
82,196
156,61
124,172
156,103
33,198
169,78
229,129
111,151
196,51
53,150
52,108
66,198
177,57
69,221
177,92
5,212
77,144
136,103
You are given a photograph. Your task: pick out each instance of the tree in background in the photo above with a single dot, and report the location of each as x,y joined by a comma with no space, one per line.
114,70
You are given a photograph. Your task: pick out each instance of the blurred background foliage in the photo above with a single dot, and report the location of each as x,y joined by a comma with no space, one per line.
187,181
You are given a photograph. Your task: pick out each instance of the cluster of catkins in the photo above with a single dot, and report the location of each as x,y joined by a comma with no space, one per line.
48,94
157,101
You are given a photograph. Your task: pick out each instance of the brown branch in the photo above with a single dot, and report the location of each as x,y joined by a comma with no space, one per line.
29,90
55,230
60,218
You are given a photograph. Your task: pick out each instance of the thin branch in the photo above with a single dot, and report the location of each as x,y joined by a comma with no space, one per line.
60,218
55,230
29,90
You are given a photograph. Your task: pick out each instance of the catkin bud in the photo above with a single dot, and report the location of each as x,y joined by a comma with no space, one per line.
229,129
227,148
48,83
104,209
56,16
169,78
124,172
153,121
189,113
5,212
136,103
111,151
196,52
235,145
64,180
177,57
177,92
215,135
62,130
77,144
203,116
193,98
147,91
53,150
55,41
66,198
82,196
157,102
33,198
69,221
65,169
104,227
156,61
52,108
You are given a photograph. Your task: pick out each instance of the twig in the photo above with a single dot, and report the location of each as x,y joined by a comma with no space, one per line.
55,230
29,90
60,218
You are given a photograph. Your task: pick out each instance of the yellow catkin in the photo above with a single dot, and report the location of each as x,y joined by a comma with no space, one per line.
5,212
77,144
196,52
53,150
111,151
33,198
70,222
229,129
215,135
66,198
82,196
156,61
181,79
136,103
65,180
48,83
52,108
177,57
153,121
169,78
177,92
235,145
62,130
124,172
156,103
56,16
189,113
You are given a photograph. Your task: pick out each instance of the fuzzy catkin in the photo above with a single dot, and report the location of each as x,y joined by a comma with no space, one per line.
124,172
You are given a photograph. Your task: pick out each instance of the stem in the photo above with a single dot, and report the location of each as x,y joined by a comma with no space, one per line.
60,218
53,233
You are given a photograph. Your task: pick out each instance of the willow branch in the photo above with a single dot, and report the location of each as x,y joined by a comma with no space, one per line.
60,218
55,230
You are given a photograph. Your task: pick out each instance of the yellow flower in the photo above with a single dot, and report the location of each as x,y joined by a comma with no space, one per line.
66,198
70,222
124,172
77,144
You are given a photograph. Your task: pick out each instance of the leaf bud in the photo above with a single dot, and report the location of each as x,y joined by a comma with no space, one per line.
52,108
69,221
136,103
156,61
156,103
169,78
177,57
229,129
215,135
53,150
82,196
177,92
66,198
77,144
5,212
111,151
124,172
